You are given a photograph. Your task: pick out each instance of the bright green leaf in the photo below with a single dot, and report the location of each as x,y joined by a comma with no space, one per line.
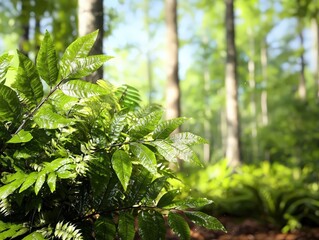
145,156
204,220
27,81
81,89
187,138
21,137
34,236
122,165
40,181
29,181
166,149
51,181
4,65
192,203
165,128
10,107
179,225
47,62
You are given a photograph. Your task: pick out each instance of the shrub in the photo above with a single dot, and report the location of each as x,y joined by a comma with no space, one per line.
273,193
85,161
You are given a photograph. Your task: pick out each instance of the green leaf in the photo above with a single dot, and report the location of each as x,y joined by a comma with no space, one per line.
40,181
179,225
9,188
51,181
145,125
82,67
10,107
184,152
151,225
5,60
81,89
80,48
117,125
165,128
192,203
105,229
126,227
156,186
166,149
145,156
29,181
167,198
122,165
27,81
188,139
47,61
34,236
48,119
21,137
205,220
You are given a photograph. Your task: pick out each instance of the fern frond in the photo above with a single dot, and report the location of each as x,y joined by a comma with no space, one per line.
66,231
5,207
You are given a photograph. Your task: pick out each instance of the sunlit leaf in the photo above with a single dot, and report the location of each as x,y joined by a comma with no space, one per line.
21,137
47,62
51,181
205,220
187,138
4,65
81,89
34,236
40,181
48,119
166,149
122,165
10,107
29,181
165,128
145,156
27,81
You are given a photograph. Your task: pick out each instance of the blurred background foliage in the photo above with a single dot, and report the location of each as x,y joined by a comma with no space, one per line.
278,89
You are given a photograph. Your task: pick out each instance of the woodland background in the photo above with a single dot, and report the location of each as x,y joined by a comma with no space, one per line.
252,91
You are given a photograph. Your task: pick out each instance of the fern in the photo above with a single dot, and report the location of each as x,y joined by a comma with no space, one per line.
67,231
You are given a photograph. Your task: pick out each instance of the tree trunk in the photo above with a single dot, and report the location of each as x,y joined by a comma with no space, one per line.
232,114
90,18
252,85
172,88
25,25
264,95
302,91
315,25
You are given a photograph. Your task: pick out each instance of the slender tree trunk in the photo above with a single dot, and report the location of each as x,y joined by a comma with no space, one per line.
173,88
232,113
252,85
264,95
315,26
90,18
25,25
302,91
207,114
149,64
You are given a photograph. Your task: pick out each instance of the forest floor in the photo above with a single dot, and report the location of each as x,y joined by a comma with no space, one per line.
249,229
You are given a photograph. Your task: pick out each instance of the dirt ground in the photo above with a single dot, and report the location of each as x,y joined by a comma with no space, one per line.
249,230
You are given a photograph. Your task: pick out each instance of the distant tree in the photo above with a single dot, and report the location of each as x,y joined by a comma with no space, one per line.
24,19
90,18
173,88
232,114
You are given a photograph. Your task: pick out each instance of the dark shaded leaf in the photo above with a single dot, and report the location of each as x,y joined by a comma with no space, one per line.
179,225
151,225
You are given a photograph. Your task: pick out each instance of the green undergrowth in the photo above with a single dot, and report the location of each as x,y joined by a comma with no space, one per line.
82,160
272,193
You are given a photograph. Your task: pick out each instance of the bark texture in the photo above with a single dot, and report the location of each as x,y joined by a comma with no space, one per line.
172,88
90,18
232,114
